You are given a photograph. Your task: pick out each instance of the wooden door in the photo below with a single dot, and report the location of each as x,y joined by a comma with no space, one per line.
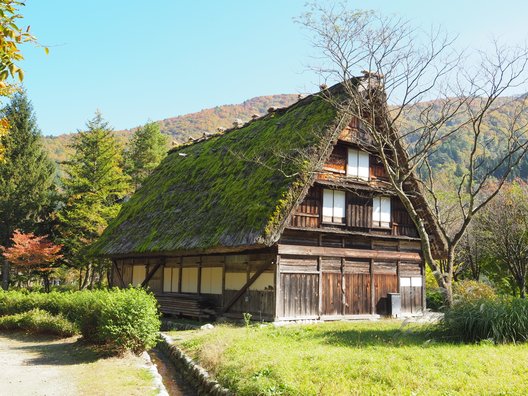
384,284
411,294
357,294
332,294
300,295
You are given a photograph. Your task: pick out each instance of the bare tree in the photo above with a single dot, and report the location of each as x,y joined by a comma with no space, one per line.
504,225
417,95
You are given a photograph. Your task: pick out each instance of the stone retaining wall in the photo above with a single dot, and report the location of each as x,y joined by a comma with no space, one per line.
193,373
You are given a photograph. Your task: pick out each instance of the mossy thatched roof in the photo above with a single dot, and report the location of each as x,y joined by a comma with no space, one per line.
231,190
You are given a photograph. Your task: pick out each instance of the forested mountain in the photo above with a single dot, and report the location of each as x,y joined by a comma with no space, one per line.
189,125
450,157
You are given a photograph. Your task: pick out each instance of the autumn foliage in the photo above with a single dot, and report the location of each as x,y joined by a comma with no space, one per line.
31,253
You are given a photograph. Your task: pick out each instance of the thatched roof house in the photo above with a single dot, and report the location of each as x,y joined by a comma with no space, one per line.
241,194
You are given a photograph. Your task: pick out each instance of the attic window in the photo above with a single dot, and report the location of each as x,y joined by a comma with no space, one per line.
358,164
381,212
333,206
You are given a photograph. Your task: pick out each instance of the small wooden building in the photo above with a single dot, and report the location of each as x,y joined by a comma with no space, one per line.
287,217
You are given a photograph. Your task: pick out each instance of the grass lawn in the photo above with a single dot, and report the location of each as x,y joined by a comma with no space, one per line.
349,358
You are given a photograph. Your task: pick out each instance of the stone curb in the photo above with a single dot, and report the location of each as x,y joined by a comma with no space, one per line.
193,373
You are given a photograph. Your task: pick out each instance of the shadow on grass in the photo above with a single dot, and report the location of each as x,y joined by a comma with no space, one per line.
399,337
53,351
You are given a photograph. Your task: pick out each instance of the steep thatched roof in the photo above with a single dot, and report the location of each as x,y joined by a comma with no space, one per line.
235,190
230,190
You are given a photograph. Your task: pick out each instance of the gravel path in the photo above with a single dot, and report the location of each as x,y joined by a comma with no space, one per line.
26,370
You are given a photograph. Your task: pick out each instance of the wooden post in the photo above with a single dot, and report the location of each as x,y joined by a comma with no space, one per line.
424,296
200,276
372,289
320,293
278,291
343,287
223,279
181,274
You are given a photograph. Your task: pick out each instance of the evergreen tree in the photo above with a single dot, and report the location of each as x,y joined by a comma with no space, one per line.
26,175
94,188
146,150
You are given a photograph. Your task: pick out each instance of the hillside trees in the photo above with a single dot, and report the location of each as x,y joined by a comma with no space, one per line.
26,176
147,148
94,188
503,226
446,94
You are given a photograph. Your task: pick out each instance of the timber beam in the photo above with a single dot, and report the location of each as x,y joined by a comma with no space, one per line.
348,253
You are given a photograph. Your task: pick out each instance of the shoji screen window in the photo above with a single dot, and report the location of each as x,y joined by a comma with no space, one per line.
334,206
381,212
358,164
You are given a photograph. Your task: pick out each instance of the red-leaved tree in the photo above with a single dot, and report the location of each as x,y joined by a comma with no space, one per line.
32,254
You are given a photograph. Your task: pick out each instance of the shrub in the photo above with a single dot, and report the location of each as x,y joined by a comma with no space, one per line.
39,322
500,320
472,290
120,318
435,300
129,320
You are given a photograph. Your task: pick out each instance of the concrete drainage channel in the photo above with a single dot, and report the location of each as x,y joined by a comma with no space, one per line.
192,375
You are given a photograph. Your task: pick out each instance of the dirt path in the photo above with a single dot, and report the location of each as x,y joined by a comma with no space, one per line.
31,365
25,370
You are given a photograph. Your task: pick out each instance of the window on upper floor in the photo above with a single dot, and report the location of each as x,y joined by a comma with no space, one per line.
381,212
358,164
334,206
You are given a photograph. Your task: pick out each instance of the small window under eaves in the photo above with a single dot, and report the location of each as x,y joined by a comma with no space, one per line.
358,164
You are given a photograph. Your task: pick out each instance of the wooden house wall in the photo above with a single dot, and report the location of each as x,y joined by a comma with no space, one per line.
358,214
202,285
335,275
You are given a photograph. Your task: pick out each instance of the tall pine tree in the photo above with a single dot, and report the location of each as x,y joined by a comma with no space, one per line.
94,188
145,151
26,175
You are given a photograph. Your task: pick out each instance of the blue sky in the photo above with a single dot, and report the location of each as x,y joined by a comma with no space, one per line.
138,60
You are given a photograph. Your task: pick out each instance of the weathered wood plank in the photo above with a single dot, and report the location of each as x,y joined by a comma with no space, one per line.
348,253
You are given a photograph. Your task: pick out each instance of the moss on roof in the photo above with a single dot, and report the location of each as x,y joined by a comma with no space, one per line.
229,190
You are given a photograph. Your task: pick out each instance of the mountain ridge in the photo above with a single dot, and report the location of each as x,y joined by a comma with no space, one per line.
183,127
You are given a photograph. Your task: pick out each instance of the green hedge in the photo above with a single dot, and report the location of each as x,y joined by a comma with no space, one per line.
124,319
500,320
40,322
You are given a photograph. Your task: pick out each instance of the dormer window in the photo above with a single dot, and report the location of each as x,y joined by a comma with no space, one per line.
358,164
333,206
381,212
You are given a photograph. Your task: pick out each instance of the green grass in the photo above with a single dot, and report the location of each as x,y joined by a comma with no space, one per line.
355,358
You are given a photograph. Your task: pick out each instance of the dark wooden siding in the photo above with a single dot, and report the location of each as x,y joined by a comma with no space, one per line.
300,295
308,214
358,214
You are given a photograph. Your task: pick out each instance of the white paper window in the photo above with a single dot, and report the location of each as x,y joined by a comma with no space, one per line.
189,280
358,164
235,280
334,206
171,277
265,281
381,212
211,280
416,281
139,273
